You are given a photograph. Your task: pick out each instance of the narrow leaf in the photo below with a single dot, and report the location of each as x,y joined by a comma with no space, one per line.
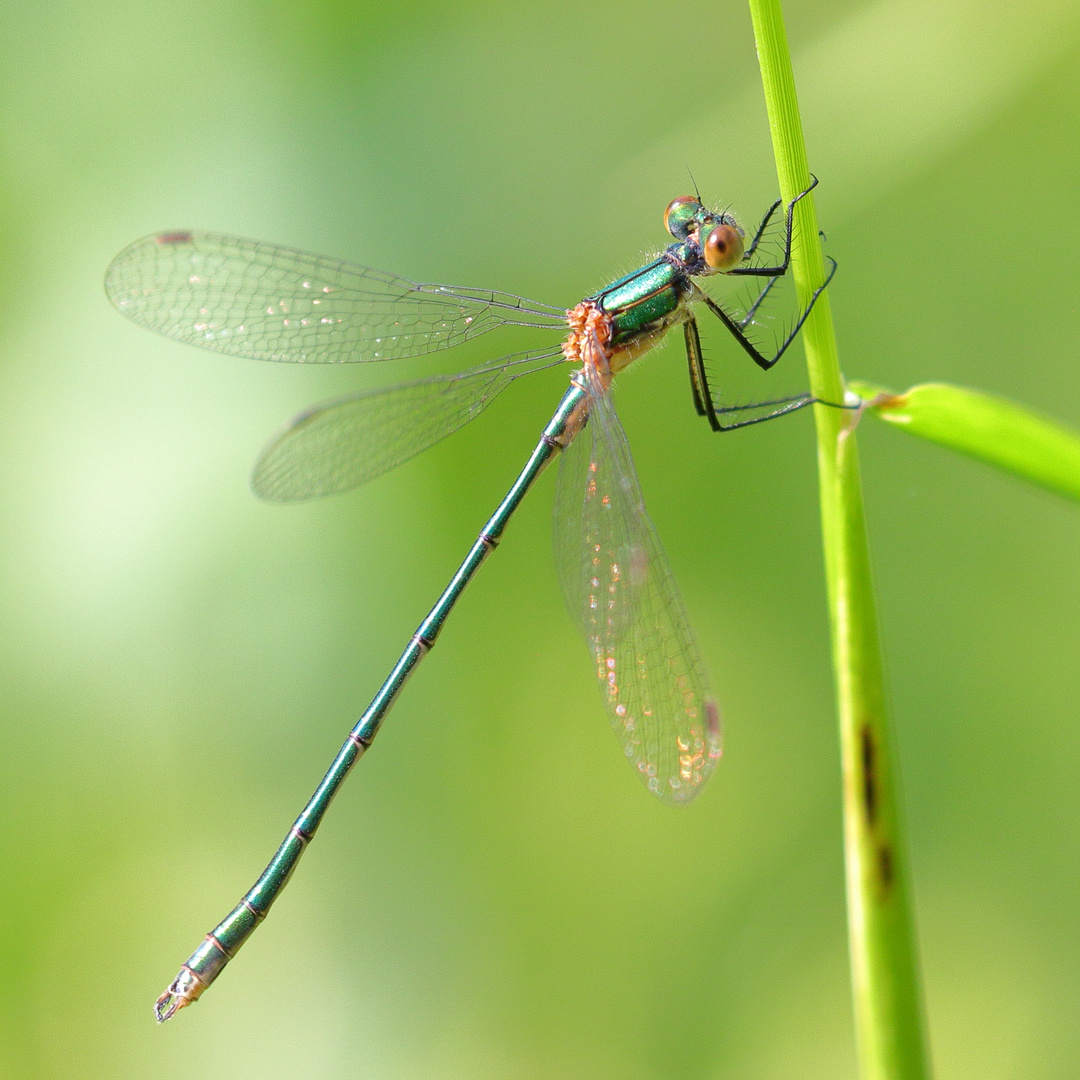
992,429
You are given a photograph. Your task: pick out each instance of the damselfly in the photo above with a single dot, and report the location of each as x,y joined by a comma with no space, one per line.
271,303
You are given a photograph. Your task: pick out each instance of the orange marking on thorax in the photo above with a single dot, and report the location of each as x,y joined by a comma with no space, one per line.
589,340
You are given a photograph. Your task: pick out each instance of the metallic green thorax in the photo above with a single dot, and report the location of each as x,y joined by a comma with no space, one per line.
646,300
641,299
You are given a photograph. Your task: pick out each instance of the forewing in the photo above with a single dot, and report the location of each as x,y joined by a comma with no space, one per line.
273,303
340,444
621,593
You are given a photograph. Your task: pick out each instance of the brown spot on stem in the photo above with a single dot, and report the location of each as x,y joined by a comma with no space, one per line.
869,773
885,867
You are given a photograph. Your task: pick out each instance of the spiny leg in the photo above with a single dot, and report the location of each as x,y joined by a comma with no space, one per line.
760,231
781,268
751,311
749,252
787,405
736,328
699,383
783,405
748,318
703,399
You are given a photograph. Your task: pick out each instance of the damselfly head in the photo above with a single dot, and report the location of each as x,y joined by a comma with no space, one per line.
717,236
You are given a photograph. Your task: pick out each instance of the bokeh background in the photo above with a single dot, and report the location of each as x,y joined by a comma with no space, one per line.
494,895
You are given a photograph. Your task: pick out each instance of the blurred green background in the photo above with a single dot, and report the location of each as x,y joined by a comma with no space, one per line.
494,895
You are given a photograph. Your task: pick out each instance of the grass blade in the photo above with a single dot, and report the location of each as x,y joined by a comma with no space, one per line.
999,432
886,989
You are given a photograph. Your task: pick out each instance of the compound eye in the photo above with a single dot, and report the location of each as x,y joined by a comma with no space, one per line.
723,247
680,216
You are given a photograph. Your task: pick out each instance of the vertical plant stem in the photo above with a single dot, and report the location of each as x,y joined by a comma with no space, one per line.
885,980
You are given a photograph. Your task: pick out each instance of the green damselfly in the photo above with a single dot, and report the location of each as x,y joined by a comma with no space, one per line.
271,303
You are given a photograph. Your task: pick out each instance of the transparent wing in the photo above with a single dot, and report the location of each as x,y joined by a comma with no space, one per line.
621,594
340,444
272,303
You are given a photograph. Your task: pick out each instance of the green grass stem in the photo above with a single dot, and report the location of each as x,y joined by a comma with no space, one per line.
887,996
